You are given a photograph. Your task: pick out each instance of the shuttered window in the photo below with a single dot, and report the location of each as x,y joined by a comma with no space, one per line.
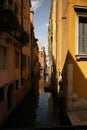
82,45
3,57
17,59
1,94
23,61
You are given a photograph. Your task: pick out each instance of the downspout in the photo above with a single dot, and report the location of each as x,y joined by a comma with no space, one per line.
21,26
22,13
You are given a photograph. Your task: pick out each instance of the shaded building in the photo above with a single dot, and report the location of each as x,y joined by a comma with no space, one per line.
41,56
15,35
52,43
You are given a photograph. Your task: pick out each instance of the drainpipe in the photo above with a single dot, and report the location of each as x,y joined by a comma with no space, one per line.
22,13
21,26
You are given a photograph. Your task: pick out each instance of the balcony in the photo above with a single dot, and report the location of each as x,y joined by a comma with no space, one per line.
10,24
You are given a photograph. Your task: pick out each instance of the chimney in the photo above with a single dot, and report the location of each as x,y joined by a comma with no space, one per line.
32,17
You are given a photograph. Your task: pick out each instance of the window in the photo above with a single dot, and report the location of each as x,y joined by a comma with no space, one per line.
81,31
23,61
22,81
41,54
17,84
82,37
82,45
3,57
28,62
16,59
1,94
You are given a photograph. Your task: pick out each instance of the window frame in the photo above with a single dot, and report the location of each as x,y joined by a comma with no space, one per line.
17,84
80,12
17,59
2,94
24,61
78,54
3,65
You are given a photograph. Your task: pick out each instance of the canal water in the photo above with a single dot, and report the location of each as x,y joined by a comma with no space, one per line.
39,109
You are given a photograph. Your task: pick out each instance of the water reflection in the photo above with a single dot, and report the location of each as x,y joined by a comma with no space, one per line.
39,109
45,111
43,118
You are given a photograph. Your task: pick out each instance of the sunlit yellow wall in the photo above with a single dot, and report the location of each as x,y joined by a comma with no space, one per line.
79,67
68,43
54,29
59,35
64,46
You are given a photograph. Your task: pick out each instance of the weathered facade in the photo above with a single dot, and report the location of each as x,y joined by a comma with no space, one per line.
15,53
34,51
41,56
71,51
52,43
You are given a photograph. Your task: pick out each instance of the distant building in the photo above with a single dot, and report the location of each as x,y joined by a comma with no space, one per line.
41,56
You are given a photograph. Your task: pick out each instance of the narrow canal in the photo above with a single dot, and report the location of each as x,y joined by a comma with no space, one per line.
37,110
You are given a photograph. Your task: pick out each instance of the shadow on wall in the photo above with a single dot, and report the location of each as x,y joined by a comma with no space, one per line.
78,78
53,75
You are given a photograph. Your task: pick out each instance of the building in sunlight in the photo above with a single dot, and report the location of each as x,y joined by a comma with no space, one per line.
41,56
68,27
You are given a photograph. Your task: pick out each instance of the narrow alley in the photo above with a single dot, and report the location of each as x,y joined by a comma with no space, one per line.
37,110
43,64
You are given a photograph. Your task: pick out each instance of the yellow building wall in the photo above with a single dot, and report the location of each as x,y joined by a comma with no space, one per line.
54,29
59,35
79,70
68,47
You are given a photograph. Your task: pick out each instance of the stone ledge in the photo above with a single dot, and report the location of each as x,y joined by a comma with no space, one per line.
78,117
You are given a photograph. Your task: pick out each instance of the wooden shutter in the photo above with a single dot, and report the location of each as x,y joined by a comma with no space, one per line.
83,35
3,57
